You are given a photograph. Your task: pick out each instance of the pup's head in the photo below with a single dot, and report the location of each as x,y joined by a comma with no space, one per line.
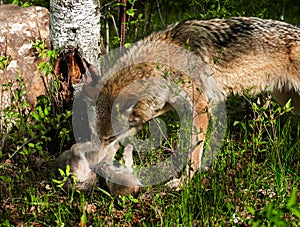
79,166
86,162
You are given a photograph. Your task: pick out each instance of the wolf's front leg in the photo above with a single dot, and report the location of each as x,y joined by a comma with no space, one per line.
199,127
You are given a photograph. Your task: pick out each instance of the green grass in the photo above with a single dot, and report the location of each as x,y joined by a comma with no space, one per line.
254,181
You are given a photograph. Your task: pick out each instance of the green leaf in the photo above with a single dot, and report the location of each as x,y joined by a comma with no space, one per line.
61,172
83,220
127,45
292,204
288,106
105,192
40,112
31,145
68,168
236,123
130,12
251,210
35,116
132,1
118,4
134,200
57,181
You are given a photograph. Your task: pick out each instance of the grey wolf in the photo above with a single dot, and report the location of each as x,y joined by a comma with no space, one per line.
227,56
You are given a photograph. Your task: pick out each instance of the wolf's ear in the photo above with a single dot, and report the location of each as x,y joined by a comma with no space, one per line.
91,74
90,79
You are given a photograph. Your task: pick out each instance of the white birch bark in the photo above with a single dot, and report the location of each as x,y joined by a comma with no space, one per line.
76,24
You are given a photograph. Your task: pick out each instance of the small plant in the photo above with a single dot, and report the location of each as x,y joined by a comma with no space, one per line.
28,3
271,216
26,130
4,60
67,175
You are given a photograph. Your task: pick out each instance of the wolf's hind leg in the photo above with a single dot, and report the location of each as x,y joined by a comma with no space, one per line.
284,95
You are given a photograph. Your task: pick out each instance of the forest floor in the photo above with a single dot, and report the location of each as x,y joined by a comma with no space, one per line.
254,180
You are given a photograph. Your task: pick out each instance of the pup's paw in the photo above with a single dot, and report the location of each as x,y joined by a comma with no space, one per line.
119,180
175,184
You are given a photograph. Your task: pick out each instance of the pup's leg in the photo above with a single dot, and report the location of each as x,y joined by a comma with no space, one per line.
128,159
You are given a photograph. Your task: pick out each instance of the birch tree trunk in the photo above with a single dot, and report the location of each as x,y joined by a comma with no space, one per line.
75,28
76,24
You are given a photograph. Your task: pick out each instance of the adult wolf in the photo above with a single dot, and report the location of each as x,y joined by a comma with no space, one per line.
221,56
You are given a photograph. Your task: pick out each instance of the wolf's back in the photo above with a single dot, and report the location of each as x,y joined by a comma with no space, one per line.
238,35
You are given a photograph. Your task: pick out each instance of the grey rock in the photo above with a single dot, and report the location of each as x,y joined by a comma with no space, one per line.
19,27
